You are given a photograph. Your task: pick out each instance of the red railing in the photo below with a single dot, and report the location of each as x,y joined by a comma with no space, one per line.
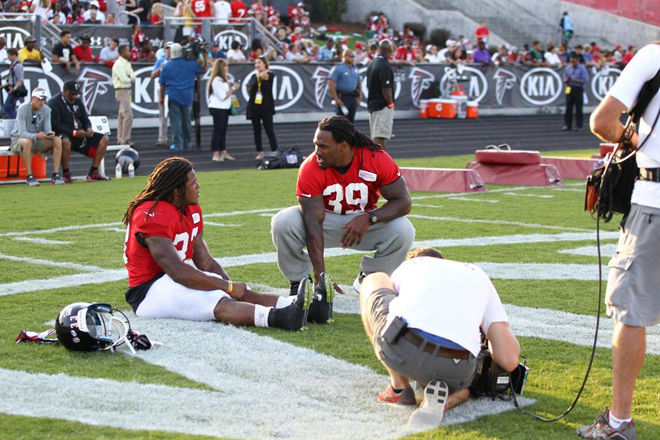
647,11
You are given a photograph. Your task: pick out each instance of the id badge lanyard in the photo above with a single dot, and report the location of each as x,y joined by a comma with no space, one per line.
259,97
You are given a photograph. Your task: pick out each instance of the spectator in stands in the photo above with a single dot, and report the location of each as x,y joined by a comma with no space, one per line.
222,11
220,92
235,54
563,54
110,19
456,56
238,11
482,33
432,54
580,53
566,25
93,11
588,57
515,57
63,52
162,120
202,8
327,52
464,43
177,81
123,78
32,134
481,54
110,53
40,8
14,84
77,16
295,55
217,53
537,53
282,36
450,46
30,54
137,37
83,51
380,100
405,53
257,49
71,122
361,55
261,105
618,54
552,57
156,17
56,11
630,53
133,8
93,17
4,58
501,58
575,77
345,88
147,54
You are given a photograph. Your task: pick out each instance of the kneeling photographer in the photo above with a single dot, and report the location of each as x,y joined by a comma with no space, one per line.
177,81
424,323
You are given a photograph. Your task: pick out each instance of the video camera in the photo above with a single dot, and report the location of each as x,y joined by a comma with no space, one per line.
194,48
490,380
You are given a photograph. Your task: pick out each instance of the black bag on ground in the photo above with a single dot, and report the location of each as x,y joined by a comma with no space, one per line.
282,158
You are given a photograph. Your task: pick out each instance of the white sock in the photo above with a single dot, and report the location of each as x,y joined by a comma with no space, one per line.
616,423
261,315
283,302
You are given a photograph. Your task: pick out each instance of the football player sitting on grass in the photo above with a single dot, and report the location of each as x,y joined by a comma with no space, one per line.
171,271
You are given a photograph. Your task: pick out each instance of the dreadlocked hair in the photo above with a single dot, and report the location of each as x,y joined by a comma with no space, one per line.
168,175
344,131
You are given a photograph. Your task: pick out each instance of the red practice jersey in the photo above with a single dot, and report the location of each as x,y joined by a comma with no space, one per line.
238,10
357,190
201,8
164,221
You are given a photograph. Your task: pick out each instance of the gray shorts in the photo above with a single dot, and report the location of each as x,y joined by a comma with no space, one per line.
38,147
380,123
633,287
408,359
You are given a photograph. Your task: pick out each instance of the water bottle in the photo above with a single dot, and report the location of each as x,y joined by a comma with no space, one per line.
118,171
131,170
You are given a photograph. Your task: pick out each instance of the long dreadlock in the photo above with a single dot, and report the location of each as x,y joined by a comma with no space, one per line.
344,131
168,175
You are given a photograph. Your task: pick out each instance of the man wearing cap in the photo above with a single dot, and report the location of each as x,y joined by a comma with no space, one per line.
177,81
84,51
32,134
380,101
575,77
344,86
123,78
93,11
63,52
155,73
110,53
405,54
70,121
30,54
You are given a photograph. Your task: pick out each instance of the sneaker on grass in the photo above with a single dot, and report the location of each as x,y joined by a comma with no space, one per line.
94,176
432,410
405,397
321,309
601,429
31,181
56,180
294,316
358,282
67,177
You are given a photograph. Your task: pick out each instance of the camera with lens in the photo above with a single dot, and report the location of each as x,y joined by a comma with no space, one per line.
194,48
491,380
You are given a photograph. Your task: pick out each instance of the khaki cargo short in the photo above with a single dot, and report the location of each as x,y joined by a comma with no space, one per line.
38,147
381,122
633,286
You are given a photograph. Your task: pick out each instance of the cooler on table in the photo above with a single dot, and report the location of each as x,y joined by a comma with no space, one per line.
13,168
423,108
472,109
442,108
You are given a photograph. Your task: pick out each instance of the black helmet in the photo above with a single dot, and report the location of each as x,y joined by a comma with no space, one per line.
91,327
127,156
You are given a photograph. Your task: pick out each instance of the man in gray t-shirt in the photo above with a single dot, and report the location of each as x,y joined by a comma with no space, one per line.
32,134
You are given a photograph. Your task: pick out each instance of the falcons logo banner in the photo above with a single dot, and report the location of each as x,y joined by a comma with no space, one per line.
420,80
94,83
320,77
504,80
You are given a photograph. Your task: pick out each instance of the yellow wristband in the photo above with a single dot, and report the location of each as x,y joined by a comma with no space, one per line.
231,287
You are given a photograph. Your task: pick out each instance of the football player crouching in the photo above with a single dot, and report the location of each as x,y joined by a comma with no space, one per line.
164,234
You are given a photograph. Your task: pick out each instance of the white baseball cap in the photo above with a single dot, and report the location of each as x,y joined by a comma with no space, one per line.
39,93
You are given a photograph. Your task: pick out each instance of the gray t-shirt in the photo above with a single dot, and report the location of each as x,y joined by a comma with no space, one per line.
29,124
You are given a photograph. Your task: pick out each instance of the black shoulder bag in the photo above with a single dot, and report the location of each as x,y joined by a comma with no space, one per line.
611,183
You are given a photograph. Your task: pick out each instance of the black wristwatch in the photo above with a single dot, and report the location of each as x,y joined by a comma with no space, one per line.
372,217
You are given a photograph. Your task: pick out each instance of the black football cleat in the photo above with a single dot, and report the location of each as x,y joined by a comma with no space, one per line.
294,316
320,311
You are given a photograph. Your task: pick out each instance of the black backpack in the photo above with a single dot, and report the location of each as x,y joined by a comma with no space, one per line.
282,158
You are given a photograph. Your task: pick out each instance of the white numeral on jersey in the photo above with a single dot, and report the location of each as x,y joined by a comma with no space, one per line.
128,228
184,238
350,190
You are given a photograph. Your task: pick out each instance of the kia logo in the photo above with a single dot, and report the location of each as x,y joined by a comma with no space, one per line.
146,92
541,86
472,80
225,38
15,36
287,86
603,81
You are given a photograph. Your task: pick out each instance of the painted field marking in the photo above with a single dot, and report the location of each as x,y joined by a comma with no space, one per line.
570,190
496,222
494,191
538,196
42,241
235,213
271,215
224,225
467,199
426,206
122,230
606,250
60,229
42,262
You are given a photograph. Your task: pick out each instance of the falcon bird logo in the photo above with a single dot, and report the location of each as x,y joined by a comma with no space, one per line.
504,80
321,85
94,84
420,81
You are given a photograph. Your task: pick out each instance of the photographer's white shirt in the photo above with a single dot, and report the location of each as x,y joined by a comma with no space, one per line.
446,298
642,68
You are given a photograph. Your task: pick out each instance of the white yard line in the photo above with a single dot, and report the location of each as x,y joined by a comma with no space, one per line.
76,280
537,196
606,250
235,213
496,222
416,205
473,199
223,225
122,230
42,241
60,229
570,190
42,262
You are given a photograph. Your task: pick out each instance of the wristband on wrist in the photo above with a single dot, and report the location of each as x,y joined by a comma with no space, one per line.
74,133
231,287
390,105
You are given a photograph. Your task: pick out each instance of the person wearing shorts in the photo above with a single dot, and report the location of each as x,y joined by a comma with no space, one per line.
171,273
424,322
71,122
32,134
380,102
633,287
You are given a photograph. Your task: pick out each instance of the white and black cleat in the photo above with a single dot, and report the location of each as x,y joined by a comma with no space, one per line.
320,311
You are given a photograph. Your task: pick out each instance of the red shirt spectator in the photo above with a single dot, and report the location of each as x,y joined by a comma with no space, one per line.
628,56
135,54
238,10
85,54
202,8
405,53
482,32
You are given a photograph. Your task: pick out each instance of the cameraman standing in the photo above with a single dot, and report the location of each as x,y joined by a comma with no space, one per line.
633,286
177,81
424,325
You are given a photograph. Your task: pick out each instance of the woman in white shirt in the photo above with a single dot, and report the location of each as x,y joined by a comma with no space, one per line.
433,56
220,106
552,58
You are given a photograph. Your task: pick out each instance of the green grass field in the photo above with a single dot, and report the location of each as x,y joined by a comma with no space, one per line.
556,367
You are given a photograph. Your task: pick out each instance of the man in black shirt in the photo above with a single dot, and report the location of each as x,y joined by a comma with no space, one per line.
380,102
63,52
70,121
